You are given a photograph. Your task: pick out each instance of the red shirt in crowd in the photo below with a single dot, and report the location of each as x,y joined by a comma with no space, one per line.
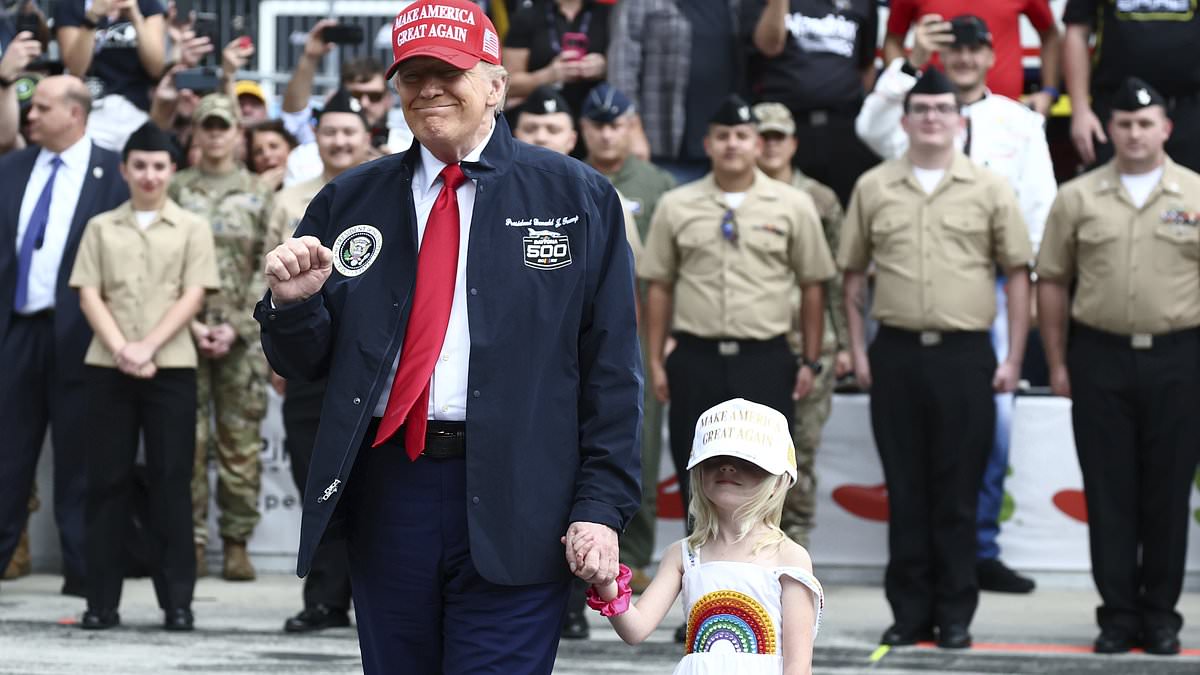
1002,17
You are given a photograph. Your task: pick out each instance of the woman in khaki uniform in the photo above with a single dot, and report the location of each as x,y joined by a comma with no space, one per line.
142,272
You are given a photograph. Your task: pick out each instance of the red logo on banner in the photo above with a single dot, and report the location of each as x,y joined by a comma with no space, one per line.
1072,503
670,505
865,501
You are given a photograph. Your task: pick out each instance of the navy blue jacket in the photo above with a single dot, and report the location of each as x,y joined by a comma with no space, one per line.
103,190
554,379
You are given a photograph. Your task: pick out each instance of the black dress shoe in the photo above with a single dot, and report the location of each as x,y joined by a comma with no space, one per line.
318,617
1115,641
575,627
99,619
953,636
997,577
178,619
1162,641
901,635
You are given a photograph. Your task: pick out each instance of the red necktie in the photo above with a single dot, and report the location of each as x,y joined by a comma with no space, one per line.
433,295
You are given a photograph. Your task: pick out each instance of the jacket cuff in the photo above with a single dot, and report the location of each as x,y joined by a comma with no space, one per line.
592,511
288,318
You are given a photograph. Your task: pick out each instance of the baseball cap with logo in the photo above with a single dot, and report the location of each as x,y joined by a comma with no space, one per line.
250,88
219,106
455,31
774,117
969,30
746,430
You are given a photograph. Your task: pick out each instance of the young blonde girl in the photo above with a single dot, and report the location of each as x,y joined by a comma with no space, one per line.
751,601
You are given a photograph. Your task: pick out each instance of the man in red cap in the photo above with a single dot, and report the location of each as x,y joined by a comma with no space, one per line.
459,457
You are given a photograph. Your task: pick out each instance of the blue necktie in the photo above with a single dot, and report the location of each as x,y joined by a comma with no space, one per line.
35,232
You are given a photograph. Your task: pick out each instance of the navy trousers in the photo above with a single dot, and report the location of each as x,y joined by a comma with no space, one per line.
420,604
33,395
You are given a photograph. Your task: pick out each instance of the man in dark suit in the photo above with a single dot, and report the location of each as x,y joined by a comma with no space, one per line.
455,456
50,191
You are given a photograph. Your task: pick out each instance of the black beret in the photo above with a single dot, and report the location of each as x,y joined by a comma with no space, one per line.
149,138
1135,94
733,111
545,101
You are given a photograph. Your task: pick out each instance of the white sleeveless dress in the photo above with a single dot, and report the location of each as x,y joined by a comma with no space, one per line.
734,611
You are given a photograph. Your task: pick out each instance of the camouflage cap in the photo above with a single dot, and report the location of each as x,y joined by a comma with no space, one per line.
217,105
774,117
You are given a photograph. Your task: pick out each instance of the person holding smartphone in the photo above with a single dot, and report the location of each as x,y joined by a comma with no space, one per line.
560,43
119,48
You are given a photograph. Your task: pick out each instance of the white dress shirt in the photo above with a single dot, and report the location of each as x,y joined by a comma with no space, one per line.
68,184
448,389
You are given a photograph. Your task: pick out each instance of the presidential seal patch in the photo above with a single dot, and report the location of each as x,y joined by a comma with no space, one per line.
355,249
546,249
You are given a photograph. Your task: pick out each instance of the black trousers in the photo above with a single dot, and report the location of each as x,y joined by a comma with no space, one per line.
831,152
1184,144
933,418
33,396
700,376
1136,425
162,410
328,581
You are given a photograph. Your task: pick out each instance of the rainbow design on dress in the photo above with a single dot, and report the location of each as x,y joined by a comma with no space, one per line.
730,617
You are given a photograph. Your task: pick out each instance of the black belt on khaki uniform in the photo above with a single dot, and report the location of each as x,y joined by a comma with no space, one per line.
931,338
1139,341
730,346
443,440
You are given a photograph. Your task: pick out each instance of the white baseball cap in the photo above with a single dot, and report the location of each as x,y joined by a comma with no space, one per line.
746,430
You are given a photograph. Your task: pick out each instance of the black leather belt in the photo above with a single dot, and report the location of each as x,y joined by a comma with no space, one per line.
1139,341
36,316
730,346
931,338
443,440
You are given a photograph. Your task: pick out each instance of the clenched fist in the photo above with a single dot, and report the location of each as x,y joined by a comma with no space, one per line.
297,269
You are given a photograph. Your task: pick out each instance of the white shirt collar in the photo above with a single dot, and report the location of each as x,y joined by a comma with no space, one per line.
74,158
431,167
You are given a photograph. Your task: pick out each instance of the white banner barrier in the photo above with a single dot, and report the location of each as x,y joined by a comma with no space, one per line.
1043,530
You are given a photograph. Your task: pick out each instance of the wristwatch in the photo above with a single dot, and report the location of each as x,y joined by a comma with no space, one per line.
814,365
87,22
5,83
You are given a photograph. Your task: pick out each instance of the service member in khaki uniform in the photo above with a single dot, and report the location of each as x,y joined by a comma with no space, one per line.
778,132
142,272
606,123
935,226
723,258
344,142
232,373
1127,235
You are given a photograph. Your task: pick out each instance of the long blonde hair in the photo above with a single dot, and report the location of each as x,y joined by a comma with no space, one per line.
764,508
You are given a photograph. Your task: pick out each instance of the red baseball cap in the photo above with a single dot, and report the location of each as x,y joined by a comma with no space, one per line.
455,31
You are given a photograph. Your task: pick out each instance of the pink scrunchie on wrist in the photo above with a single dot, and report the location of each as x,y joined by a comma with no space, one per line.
618,605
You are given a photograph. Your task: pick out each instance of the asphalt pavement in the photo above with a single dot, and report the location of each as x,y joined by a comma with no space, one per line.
239,630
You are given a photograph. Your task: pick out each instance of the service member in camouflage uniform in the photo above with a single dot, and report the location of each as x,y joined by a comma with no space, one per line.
607,125
778,131
232,372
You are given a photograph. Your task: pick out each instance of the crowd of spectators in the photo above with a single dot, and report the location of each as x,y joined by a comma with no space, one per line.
630,87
